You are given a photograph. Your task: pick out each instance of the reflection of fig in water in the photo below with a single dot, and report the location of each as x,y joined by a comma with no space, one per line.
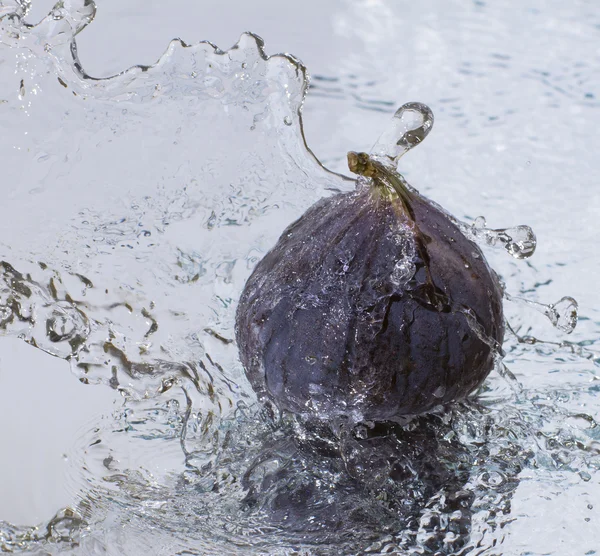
380,481
372,306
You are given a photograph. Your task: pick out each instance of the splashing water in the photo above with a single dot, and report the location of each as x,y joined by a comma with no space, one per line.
411,123
166,185
519,241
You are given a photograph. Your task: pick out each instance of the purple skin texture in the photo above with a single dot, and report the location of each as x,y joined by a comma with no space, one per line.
372,306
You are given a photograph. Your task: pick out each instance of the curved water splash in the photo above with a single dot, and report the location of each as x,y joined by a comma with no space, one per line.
177,245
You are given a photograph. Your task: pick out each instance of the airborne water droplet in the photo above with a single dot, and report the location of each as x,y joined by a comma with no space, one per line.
479,222
411,123
562,314
520,241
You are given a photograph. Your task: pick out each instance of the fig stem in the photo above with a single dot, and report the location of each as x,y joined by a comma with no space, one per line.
382,174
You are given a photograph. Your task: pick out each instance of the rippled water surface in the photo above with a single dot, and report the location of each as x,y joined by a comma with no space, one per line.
135,207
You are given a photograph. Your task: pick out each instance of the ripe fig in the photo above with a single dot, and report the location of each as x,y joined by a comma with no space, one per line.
372,306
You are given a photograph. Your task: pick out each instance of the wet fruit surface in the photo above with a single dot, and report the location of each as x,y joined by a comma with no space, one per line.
372,306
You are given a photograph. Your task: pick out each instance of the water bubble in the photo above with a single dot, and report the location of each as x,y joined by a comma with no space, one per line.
287,120
411,123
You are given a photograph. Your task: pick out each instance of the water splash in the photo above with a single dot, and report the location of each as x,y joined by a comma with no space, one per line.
409,126
519,241
562,314
120,192
182,244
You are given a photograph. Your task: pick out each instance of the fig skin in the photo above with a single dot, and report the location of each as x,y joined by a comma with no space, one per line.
373,306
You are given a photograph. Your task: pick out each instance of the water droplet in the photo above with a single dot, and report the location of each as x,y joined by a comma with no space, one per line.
62,324
562,314
403,271
519,241
439,391
479,222
287,120
5,314
361,432
212,220
411,123
492,478
585,476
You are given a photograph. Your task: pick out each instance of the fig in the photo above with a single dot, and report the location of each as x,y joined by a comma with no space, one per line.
372,306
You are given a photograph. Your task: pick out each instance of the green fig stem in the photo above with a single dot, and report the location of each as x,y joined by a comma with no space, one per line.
381,174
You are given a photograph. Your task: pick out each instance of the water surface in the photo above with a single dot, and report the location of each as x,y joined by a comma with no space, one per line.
136,207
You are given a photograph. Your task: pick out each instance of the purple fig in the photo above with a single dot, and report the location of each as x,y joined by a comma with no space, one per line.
372,306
